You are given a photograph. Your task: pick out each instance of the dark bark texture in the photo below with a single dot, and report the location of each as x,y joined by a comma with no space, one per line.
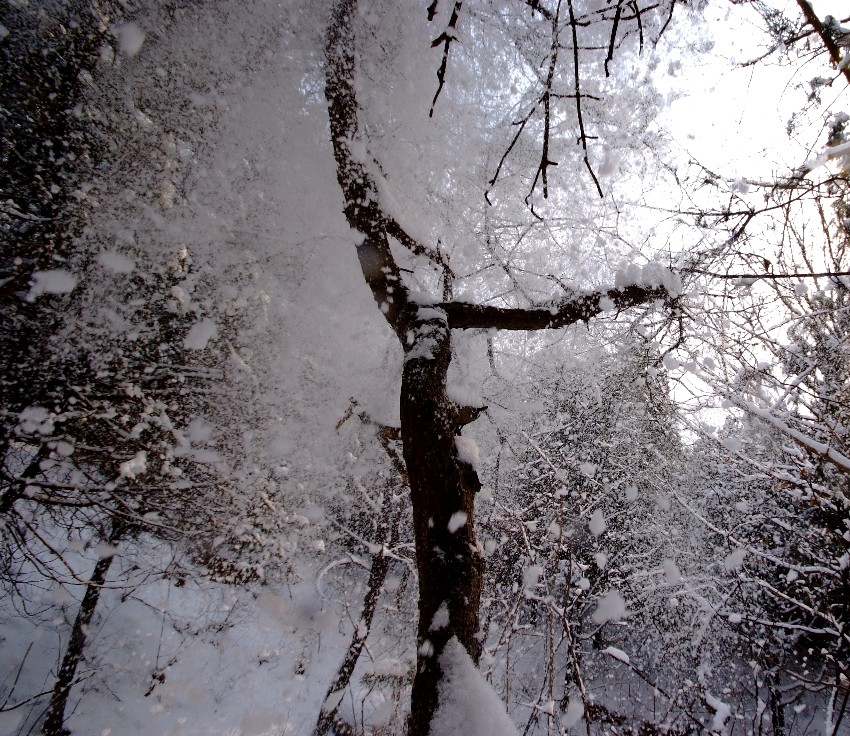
443,488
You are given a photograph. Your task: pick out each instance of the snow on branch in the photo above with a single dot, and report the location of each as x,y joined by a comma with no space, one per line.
360,191
828,41
462,315
819,448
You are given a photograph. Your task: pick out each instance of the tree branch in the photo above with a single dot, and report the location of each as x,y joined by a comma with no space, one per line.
538,8
828,42
560,314
582,133
436,257
613,40
446,38
521,123
545,161
769,276
360,193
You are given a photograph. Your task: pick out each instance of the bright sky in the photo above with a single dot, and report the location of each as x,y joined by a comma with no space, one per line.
734,120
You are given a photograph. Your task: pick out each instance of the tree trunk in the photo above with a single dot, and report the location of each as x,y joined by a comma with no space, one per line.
54,722
443,488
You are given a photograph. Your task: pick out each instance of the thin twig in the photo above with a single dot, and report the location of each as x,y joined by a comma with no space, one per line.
445,38
582,133
613,35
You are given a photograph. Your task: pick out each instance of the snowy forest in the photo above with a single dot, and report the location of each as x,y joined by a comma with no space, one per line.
455,367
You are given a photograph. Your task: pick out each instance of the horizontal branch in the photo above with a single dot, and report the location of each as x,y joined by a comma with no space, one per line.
773,276
560,314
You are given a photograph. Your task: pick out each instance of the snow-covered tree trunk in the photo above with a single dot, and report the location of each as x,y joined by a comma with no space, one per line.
443,487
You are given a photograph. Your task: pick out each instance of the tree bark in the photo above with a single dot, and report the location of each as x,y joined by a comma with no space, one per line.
448,557
54,722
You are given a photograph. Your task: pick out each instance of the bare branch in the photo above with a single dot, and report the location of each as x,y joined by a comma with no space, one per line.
639,25
666,22
522,123
545,163
582,134
445,38
767,276
613,35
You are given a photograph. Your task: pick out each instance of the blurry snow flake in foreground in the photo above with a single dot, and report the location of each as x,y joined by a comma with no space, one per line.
606,304
468,706
200,334
115,262
388,668
735,560
467,451
441,618
129,38
135,466
531,576
611,607
741,186
573,713
618,654
463,393
106,549
670,363
589,469
56,281
35,419
332,701
733,444
457,520
671,572
722,713
597,523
